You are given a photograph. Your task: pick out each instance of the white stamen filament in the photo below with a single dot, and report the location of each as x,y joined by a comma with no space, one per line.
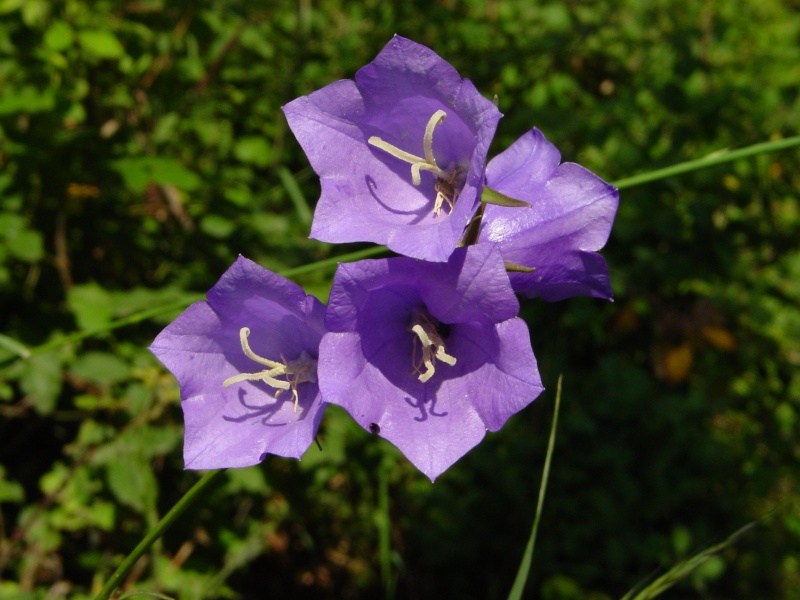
445,181
432,349
301,370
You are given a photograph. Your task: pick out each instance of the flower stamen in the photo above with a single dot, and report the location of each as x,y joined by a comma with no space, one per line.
432,348
445,180
301,370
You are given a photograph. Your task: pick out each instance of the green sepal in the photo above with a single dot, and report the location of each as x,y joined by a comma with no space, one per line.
518,268
490,196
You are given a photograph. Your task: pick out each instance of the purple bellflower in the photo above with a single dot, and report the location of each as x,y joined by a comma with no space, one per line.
569,219
428,355
401,152
246,361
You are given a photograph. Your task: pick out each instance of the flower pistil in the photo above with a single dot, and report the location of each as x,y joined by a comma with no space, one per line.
301,370
427,335
445,180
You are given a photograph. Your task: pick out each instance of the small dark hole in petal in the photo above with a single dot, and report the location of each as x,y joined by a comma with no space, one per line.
374,428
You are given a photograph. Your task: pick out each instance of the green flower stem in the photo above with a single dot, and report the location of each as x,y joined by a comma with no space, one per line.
525,565
716,158
154,534
332,262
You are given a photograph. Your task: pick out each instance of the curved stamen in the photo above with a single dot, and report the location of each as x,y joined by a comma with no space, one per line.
301,370
432,349
427,141
445,180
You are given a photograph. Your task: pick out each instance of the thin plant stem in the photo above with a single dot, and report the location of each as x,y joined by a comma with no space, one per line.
115,324
154,534
525,565
716,158
295,195
329,263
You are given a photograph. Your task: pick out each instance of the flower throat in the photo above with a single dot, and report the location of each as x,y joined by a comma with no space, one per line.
445,186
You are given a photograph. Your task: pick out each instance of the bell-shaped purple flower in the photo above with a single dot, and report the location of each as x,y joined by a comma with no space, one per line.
428,355
569,219
246,361
401,152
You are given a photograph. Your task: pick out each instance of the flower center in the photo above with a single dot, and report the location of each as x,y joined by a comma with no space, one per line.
427,336
446,192
301,370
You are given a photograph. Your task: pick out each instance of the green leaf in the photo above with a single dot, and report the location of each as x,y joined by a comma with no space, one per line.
10,223
253,150
26,245
217,226
131,480
27,99
35,12
14,346
91,305
138,171
10,491
141,298
59,36
100,43
100,368
8,6
41,380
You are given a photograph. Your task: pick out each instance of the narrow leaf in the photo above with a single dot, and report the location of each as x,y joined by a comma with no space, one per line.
525,566
490,196
685,567
14,346
295,194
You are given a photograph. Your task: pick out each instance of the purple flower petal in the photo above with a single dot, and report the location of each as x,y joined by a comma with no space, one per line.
370,362
237,425
367,193
570,218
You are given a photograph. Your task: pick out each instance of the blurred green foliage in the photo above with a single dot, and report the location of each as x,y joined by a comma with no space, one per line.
142,147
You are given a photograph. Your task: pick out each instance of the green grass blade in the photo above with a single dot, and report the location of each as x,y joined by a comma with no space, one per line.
684,568
12,345
525,566
295,195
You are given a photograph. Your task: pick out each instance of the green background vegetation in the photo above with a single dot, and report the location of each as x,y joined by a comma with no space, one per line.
142,147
